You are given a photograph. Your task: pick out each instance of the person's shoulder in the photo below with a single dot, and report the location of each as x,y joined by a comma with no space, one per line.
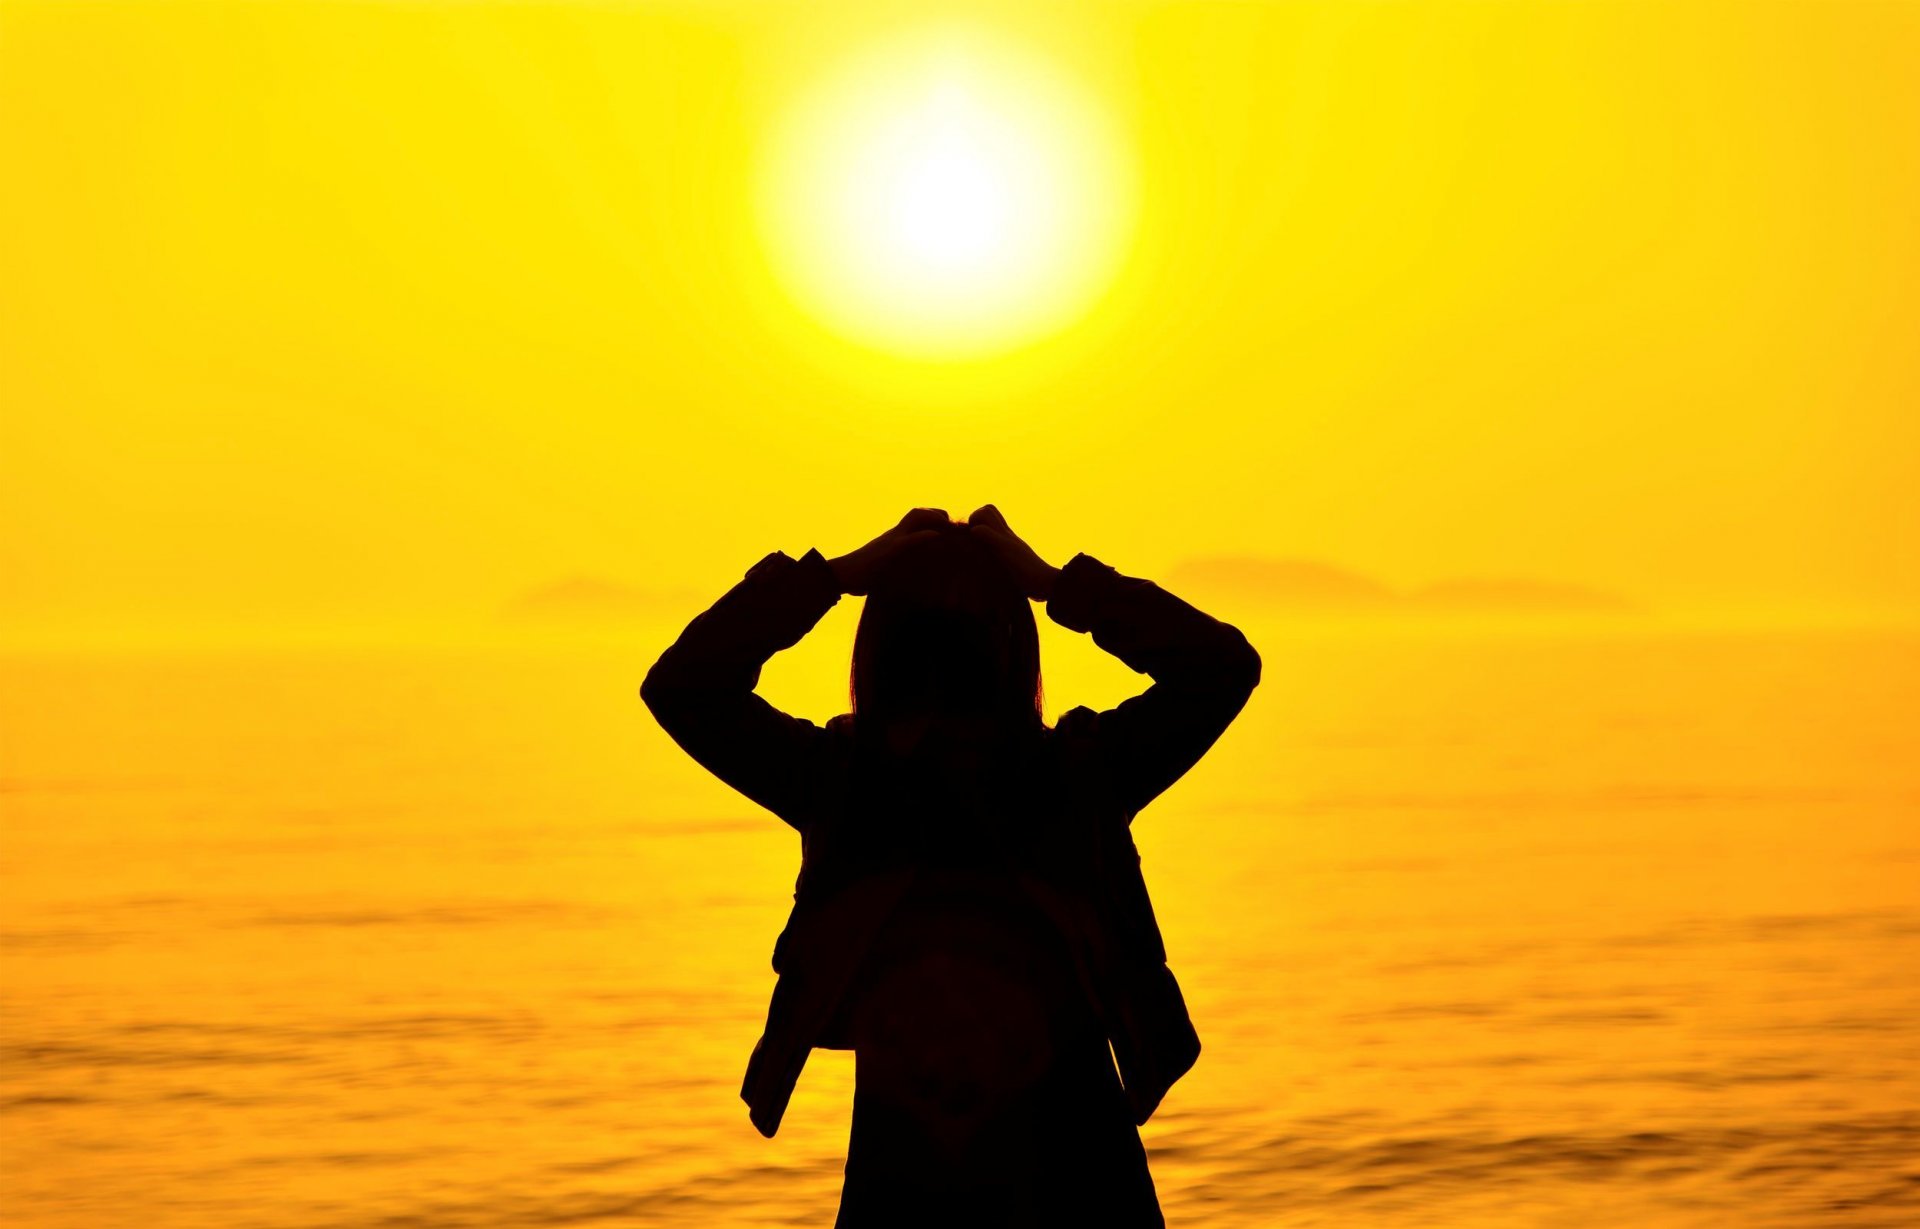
841,726
1076,723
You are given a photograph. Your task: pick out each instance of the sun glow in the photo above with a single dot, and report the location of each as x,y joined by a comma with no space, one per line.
946,196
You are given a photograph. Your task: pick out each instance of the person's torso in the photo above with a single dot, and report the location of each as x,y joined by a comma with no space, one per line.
967,996
893,935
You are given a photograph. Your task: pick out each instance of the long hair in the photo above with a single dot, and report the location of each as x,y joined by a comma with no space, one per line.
947,633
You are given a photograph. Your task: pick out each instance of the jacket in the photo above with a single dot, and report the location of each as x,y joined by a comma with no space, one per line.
1098,769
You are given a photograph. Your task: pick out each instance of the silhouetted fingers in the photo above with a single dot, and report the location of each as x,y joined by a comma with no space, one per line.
925,519
987,514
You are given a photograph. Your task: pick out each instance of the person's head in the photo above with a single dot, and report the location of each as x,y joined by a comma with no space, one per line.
947,642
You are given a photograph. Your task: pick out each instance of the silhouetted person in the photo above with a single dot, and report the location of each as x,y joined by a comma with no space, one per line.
970,917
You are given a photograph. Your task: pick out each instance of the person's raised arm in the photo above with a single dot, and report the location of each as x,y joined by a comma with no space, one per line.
1203,670
701,690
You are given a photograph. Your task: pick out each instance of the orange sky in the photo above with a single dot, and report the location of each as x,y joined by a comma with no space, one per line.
373,315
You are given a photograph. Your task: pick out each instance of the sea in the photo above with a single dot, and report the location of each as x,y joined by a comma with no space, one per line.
1581,929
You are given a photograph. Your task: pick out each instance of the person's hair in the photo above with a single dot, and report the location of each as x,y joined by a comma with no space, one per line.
946,631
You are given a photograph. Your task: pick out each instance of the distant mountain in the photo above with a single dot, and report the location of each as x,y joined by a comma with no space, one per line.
1518,596
1308,587
1294,583
588,600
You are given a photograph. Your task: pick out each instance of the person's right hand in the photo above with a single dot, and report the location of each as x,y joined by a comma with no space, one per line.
1034,575
856,568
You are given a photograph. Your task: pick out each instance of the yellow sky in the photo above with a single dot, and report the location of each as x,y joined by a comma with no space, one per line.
371,313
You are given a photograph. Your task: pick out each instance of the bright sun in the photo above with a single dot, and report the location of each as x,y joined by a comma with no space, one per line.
946,195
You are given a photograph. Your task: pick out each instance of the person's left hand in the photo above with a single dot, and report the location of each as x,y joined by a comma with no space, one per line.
1034,575
856,568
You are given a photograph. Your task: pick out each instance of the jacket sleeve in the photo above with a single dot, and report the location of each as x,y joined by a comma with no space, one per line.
702,689
1203,672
